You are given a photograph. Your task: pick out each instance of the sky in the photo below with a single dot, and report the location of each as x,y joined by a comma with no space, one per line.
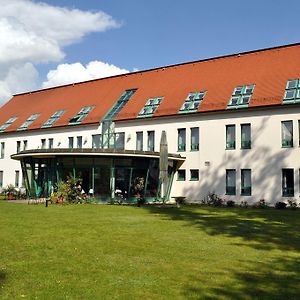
48,43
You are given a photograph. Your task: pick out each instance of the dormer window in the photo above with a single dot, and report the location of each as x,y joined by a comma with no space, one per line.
292,92
241,96
79,117
28,122
192,102
150,107
53,119
7,123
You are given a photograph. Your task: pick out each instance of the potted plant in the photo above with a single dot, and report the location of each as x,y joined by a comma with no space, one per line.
138,188
10,191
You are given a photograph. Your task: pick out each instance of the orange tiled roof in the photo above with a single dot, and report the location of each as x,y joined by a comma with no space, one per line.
268,69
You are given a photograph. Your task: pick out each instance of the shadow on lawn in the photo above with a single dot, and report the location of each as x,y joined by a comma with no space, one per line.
260,229
276,280
2,278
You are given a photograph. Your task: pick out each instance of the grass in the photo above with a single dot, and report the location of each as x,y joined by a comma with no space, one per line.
125,252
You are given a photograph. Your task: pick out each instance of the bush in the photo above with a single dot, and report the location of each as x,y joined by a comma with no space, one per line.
213,200
292,203
244,204
260,204
280,205
230,203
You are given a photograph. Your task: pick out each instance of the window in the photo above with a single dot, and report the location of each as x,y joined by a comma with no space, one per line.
195,139
79,117
119,104
150,141
288,182
7,123
150,107
17,178
230,182
96,141
181,139
139,140
2,149
1,179
53,119
292,92
181,175
241,96
18,146
245,136
287,134
50,143
43,143
192,102
194,175
120,140
71,142
246,182
230,137
79,142
28,122
25,145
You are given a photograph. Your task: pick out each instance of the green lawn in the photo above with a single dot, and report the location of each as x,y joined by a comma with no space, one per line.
125,252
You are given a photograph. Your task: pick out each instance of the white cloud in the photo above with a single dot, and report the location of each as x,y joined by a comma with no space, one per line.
35,32
76,72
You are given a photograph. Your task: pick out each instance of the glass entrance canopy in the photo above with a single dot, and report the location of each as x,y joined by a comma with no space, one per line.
105,174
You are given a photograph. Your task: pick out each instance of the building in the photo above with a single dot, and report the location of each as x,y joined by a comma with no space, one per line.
232,126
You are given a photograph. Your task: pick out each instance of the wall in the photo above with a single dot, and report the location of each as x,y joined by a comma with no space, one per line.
266,158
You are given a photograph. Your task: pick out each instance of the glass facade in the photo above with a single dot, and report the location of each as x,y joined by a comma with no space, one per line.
109,177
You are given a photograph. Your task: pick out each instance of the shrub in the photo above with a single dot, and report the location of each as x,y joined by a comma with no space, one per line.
260,204
280,205
244,204
292,203
230,203
213,199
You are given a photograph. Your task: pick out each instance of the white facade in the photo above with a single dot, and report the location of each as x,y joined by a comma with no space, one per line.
266,159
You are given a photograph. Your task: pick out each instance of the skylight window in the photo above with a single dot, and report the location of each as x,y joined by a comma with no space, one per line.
78,118
192,102
119,104
292,91
241,96
28,122
53,119
150,107
7,123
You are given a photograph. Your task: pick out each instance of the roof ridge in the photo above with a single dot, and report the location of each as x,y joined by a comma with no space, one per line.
167,66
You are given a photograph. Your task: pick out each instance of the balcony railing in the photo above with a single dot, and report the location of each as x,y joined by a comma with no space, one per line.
230,190
246,144
246,191
288,192
181,147
194,147
287,143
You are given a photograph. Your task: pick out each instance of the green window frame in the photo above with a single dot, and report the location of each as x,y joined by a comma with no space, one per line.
195,139
241,96
8,123
181,146
1,179
230,137
245,136
194,175
50,143
2,150
151,140
139,141
81,115
288,182
246,182
124,98
96,141
230,182
28,122
53,118
287,134
192,102
71,142
181,175
150,107
292,91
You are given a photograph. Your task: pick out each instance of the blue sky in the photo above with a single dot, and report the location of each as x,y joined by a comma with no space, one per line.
162,32
67,41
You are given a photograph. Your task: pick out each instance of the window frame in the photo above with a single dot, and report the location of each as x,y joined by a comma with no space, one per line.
239,93
188,105
181,175
194,178
181,147
150,106
290,191
245,144
246,191
230,190
230,145
284,142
